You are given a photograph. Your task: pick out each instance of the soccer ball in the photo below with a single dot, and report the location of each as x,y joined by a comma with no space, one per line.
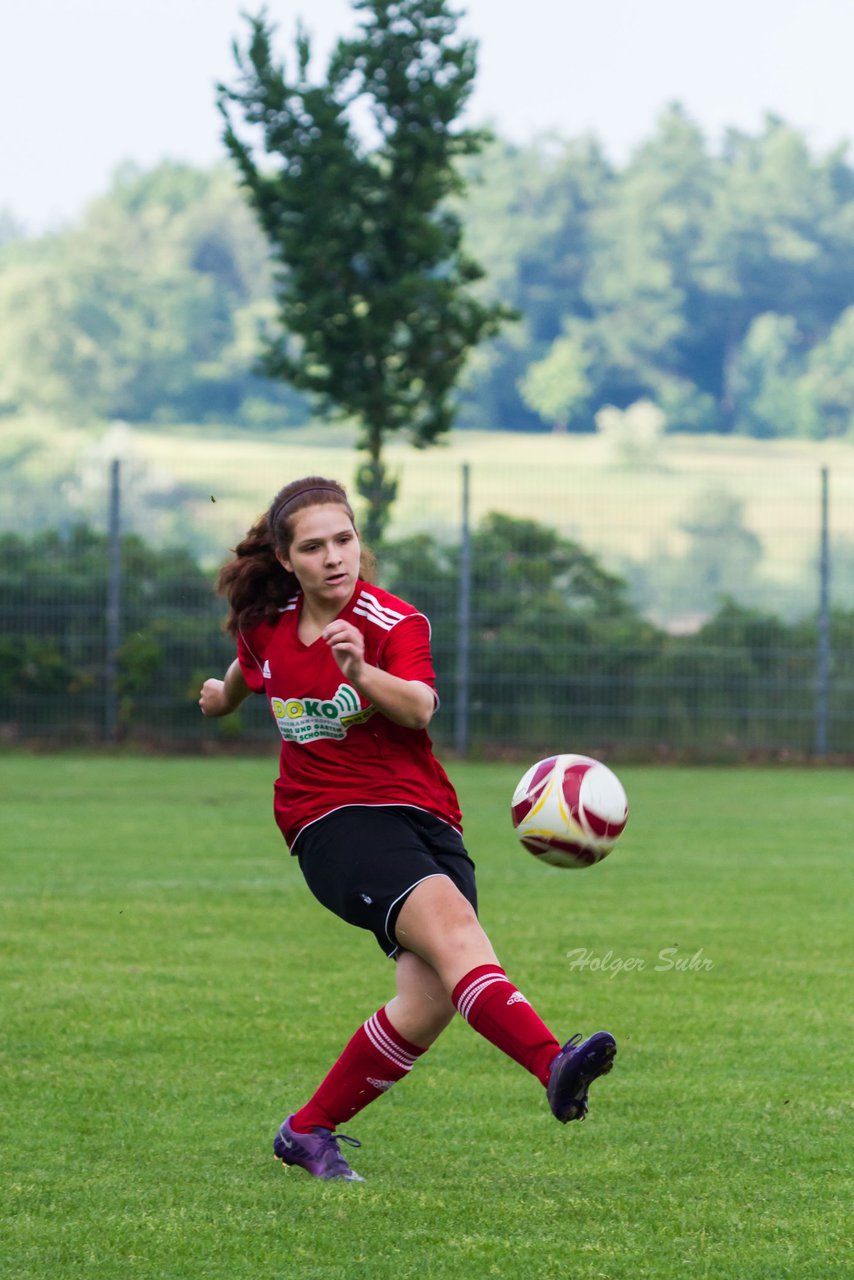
569,810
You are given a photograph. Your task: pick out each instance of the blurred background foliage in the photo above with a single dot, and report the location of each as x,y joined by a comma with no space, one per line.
716,285
555,641
690,295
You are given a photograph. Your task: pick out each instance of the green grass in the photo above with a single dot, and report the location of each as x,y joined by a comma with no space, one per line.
170,988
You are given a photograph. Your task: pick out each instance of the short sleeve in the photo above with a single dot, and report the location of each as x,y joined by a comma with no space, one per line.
406,652
251,660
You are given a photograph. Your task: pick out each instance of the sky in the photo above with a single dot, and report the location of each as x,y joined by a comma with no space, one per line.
86,85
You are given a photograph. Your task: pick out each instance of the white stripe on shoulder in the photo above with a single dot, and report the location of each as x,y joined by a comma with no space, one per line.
377,619
367,607
366,598
291,605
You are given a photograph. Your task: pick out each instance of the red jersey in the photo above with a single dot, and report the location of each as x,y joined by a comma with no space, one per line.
337,749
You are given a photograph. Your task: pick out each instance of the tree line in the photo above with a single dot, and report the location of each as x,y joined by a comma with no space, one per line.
716,283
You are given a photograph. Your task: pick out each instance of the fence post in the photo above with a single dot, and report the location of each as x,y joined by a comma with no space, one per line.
823,655
461,733
113,617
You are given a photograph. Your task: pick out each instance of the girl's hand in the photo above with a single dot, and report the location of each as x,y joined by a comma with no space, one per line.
407,702
348,647
221,697
213,700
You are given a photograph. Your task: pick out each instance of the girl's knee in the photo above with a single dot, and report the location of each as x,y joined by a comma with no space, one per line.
421,1009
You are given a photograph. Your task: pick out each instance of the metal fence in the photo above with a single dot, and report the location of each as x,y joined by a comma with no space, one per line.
620,610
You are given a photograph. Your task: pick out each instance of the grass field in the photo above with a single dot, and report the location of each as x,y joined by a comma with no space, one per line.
170,989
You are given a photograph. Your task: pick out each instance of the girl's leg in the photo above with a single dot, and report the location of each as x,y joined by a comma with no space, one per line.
422,1008
438,924
383,1050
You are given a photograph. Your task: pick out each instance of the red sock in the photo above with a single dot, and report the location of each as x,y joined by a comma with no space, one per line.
497,1010
376,1057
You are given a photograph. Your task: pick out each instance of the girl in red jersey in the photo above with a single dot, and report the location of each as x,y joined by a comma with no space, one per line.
369,812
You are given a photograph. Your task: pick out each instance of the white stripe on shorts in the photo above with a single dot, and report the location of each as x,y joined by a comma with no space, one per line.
406,894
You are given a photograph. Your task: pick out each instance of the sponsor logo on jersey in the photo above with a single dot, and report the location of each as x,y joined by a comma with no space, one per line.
309,719
266,670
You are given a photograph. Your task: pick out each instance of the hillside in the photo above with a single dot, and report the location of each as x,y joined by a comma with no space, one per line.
202,486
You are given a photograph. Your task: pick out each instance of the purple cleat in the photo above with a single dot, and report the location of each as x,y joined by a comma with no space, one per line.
578,1064
316,1151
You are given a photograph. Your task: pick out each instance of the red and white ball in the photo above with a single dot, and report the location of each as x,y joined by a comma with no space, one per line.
569,810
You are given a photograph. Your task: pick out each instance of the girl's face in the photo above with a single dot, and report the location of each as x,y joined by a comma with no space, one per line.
324,553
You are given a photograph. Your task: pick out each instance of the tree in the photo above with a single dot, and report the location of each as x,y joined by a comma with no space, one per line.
372,289
553,631
53,591
557,386
143,310
768,400
640,283
829,380
634,434
723,553
775,242
530,216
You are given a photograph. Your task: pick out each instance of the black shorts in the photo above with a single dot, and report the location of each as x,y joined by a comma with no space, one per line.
363,862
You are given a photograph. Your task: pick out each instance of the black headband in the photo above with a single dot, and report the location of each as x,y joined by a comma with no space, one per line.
301,493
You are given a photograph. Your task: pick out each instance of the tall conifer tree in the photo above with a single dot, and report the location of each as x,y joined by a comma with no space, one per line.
350,180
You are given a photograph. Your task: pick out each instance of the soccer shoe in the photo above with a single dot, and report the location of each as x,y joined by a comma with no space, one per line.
316,1151
577,1065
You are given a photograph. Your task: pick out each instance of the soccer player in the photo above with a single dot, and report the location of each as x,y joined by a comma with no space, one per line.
369,812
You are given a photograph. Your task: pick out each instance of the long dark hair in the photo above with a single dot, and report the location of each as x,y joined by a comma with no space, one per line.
255,583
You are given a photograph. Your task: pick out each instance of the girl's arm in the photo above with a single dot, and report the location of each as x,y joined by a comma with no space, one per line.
407,702
221,697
